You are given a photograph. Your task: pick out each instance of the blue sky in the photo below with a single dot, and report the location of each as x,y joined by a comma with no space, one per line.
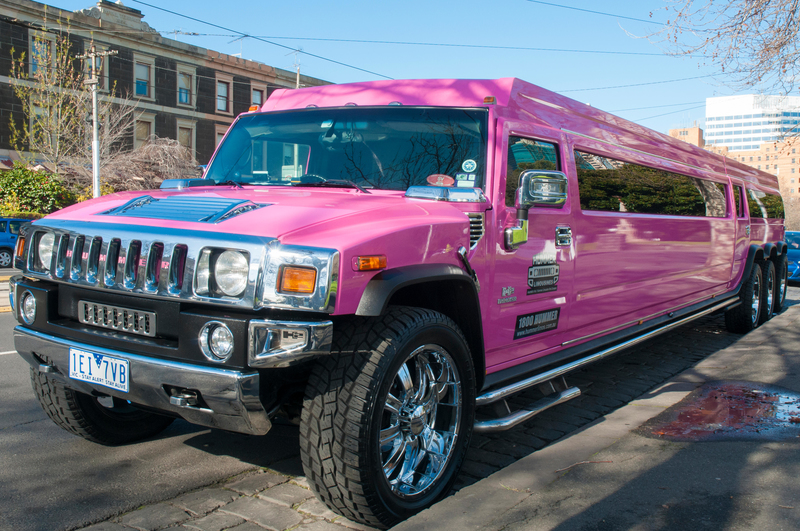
446,33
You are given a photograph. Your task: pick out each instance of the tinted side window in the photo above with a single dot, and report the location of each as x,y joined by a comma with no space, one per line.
526,154
3,226
737,199
763,205
612,185
13,226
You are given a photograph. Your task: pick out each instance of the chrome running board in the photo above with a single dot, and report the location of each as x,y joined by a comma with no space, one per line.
499,394
505,423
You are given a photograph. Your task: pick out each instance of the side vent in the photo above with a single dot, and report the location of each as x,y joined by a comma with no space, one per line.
475,228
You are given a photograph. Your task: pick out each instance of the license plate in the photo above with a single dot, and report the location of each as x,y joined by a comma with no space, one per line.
100,369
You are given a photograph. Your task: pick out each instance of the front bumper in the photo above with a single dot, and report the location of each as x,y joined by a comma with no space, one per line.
230,398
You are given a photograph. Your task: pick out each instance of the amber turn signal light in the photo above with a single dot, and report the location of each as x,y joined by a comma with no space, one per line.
490,100
20,247
297,280
253,108
369,263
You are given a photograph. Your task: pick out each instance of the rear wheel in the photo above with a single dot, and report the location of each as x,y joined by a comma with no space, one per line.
103,420
747,315
388,416
782,274
5,257
768,291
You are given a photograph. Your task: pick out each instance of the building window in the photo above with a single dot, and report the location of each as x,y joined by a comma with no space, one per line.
751,159
185,86
143,72
759,158
220,133
224,95
186,134
792,161
144,130
792,170
42,48
258,93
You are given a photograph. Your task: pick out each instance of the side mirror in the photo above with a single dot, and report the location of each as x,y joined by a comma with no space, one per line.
537,188
541,188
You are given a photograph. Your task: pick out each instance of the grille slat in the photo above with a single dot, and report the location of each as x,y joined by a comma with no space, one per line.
137,322
475,228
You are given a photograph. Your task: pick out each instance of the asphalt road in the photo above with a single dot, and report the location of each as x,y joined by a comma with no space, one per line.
52,480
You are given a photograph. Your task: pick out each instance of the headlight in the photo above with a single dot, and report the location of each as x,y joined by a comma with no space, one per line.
45,250
230,273
221,272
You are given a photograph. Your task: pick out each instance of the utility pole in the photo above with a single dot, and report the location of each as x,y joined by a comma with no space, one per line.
95,65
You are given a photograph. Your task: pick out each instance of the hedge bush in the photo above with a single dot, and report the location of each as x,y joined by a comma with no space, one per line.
34,192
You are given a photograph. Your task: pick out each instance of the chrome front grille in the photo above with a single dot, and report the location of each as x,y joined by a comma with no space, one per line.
117,318
475,228
158,262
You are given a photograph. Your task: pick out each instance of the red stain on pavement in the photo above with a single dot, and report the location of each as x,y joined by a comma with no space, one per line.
725,410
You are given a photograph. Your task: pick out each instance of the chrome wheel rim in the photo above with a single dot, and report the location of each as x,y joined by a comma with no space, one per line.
5,258
770,290
420,421
756,302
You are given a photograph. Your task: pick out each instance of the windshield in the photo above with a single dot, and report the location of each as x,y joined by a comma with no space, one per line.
388,148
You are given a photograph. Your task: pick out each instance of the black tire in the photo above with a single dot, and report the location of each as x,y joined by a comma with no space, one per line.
747,315
6,257
782,272
768,291
86,416
348,407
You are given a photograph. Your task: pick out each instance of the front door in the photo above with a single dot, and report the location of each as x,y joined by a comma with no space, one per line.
531,284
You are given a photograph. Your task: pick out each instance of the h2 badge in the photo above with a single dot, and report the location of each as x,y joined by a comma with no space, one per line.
543,274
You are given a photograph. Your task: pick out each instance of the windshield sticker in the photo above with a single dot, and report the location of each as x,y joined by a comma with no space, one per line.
543,274
469,166
438,179
535,323
507,295
465,180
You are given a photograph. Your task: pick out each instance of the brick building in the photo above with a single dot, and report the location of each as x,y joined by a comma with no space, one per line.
184,92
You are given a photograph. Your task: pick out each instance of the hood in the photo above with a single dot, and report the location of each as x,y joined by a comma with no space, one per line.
329,217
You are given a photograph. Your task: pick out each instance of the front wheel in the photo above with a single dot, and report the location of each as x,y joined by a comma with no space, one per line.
388,416
104,420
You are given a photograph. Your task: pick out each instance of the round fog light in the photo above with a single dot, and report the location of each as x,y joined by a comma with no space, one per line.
216,341
27,307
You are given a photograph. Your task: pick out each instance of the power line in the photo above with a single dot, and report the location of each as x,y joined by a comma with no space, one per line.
260,39
594,12
671,112
436,44
636,84
658,106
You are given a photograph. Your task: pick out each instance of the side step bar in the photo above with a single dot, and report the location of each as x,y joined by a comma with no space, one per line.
548,401
505,423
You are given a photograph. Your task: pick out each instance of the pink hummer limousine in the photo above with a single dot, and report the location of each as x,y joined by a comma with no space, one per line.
380,262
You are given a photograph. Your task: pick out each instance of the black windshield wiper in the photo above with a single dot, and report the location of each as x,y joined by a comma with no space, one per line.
230,183
316,180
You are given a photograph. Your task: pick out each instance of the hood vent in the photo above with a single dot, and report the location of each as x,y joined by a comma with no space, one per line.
185,208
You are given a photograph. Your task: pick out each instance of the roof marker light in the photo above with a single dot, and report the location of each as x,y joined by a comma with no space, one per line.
490,100
253,108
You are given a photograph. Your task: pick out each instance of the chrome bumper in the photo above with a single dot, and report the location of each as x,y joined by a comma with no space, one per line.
232,397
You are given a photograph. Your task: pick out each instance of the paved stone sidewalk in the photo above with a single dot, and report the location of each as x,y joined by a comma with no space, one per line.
252,501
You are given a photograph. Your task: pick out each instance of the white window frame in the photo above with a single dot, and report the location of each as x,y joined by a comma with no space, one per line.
148,118
33,36
190,71
150,61
183,123
227,79
262,87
